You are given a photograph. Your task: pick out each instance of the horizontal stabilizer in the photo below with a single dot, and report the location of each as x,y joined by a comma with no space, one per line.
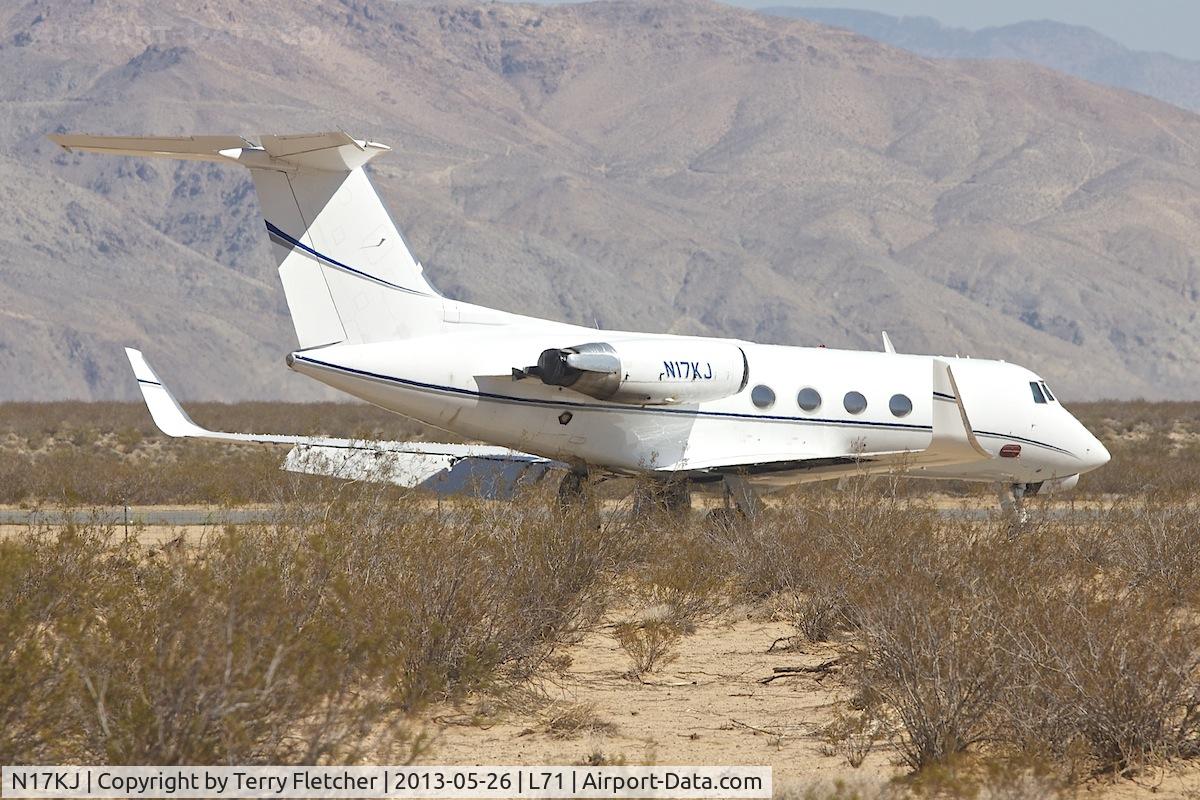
484,470
194,148
335,151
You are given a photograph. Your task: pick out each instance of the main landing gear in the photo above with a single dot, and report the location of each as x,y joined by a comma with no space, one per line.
672,497
572,489
576,501
741,503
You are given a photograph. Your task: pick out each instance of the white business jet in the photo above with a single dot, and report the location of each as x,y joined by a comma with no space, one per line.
545,396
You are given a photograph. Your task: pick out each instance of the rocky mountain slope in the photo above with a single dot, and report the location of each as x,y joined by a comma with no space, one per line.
662,165
1073,49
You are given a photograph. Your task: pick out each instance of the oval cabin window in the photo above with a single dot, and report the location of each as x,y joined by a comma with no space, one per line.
762,396
900,405
809,399
855,403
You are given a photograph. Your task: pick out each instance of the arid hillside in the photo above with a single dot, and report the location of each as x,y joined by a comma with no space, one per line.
678,166
1073,49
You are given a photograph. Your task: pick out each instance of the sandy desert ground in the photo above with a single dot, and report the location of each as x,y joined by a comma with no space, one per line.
709,707
740,690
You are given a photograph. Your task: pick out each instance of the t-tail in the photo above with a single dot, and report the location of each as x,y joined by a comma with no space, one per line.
346,271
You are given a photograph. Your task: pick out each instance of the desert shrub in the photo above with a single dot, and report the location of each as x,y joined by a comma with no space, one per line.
1021,779
572,720
1154,549
854,735
674,578
1070,640
302,641
476,596
16,473
818,616
1020,644
33,595
993,779
130,659
676,570
198,472
558,570
761,552
988,778
218,659
650,644
1154,449
34,421
930,643
1116,673
824,549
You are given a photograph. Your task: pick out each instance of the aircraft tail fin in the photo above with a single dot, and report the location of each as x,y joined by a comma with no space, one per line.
346,270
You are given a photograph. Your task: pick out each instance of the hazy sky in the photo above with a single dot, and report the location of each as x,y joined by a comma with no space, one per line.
1170,26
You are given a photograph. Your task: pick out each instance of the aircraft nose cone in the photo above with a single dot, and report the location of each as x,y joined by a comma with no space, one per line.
1095,454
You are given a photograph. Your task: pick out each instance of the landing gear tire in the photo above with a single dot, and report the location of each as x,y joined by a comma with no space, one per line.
741,497
662,497
575,500
726,519
572,489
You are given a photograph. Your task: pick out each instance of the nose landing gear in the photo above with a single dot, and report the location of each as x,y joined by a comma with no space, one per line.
1012,500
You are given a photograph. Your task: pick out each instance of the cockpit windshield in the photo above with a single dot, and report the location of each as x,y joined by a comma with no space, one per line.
1041,392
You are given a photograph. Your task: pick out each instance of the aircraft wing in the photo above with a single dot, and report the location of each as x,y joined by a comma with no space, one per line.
484,470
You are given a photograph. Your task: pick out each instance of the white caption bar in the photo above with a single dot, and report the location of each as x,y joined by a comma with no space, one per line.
203,783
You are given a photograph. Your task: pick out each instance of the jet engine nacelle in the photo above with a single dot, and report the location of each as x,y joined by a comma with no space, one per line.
1055,485
645,371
